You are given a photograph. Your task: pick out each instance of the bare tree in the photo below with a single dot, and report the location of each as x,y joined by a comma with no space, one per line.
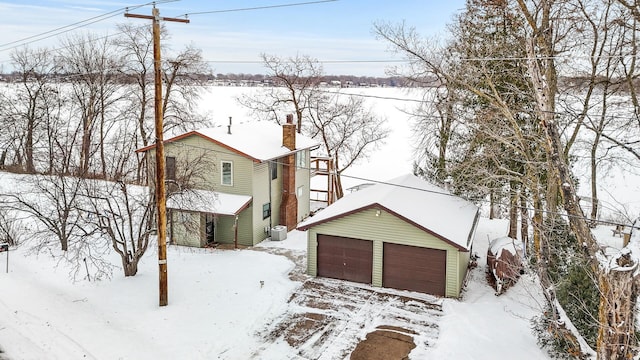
12,228
296,79
24,111
346,127
90,64
478,127
53,202
520,142
618,288
136,47
182,87
124,214
436,117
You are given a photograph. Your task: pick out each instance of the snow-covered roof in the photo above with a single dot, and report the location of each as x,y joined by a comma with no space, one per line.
505,243
208,202
427,206
258,140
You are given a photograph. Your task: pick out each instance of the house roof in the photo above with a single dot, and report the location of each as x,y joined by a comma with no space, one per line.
417,201
212,202
259,141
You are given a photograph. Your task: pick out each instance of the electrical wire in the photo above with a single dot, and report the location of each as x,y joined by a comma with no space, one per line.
86,22
442,193
277,162
79,24
320,61
63,29
95,19
256,8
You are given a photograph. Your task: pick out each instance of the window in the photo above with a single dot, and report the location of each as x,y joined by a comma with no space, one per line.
274,169
170,168
227,173
301,159
266,210
185,217
300,191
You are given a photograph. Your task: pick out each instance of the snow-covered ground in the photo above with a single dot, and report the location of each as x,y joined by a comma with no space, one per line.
618,188
223,302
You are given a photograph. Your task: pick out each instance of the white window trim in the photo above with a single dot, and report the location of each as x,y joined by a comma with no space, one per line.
268,216
222,172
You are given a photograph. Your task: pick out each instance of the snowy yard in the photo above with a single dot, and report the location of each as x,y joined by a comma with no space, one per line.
243,304
259,303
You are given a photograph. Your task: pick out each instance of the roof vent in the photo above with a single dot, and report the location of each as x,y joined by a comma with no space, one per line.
229,126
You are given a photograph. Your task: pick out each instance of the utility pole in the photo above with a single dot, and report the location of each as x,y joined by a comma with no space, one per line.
161,199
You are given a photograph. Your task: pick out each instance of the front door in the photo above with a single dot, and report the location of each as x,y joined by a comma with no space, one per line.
210,232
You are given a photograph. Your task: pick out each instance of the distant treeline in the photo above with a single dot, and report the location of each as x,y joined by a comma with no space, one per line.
241,79
329,80
345,81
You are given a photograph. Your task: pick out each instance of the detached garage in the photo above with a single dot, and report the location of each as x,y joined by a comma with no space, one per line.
405,234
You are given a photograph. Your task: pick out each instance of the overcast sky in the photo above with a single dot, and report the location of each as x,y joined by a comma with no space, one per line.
233,40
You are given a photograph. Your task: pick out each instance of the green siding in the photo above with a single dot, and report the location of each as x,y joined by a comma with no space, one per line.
195,153
387,228
206,157
184,228
276,193
453,289
303,178
463,266
225,233
245,228
200,160
376,276
224,230
261,178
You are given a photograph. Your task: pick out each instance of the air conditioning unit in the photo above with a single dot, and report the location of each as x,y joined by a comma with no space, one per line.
278,232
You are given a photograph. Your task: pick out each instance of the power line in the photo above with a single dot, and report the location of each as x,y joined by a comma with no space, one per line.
275,161
485,201
79,24
55,31
256,8
355,61
91,40
379,97
89,21
556,57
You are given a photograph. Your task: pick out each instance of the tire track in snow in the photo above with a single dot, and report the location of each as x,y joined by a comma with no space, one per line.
29,327
327,318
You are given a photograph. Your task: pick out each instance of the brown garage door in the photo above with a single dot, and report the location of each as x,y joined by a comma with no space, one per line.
345,258
414,268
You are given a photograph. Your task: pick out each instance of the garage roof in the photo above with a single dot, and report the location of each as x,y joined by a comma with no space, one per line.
212,202
417,201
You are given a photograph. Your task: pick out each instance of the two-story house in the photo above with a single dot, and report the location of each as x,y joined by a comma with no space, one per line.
235,183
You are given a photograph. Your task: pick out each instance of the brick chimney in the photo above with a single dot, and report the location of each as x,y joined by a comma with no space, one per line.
289,133
289,204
